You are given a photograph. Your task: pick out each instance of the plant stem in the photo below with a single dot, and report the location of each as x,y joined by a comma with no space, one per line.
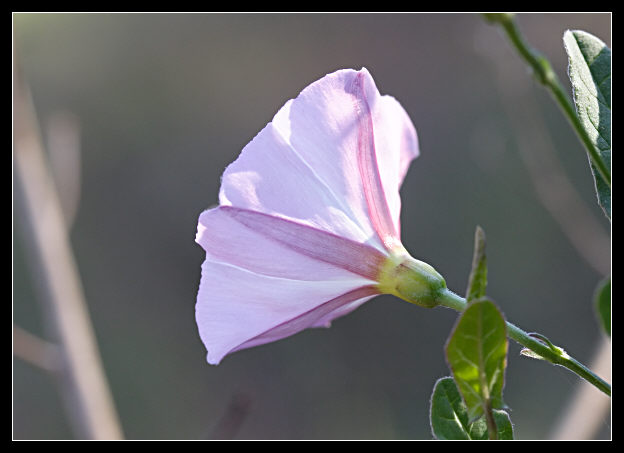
550,353
491,423
545,75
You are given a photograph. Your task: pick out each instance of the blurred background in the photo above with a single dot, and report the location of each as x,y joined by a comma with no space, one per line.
156,105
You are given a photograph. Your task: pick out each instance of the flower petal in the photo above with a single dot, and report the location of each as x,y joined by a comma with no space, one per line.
319,316
237,308
321,153
283,248
396,142
378,208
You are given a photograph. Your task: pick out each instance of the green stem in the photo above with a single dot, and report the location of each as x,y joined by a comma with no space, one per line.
491,423
550,353
546,76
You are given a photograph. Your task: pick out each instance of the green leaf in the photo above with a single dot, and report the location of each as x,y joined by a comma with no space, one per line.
504,428
494,18
503,425
528,353
449,416
602,302
477,281
590,73
477,355
448,413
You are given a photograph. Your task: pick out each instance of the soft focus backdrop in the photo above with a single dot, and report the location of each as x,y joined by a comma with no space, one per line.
165,101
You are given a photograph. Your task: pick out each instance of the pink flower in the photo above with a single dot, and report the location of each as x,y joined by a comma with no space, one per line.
308,224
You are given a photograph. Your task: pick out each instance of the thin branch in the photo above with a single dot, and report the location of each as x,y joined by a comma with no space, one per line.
585,413
62,131
32,349
544,74
83,384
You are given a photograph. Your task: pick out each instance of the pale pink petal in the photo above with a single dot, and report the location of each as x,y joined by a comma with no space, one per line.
283,248
237,308
319,316
343,310
396,140
378,209
270,177
329,159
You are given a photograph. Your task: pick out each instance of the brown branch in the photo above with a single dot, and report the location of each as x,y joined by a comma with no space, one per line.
32,349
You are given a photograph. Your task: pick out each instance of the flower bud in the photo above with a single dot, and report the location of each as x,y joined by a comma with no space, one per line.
412,280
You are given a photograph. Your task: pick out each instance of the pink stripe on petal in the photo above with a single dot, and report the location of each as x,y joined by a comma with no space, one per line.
367,162
319,316
226,239
313,243
396,144
343,310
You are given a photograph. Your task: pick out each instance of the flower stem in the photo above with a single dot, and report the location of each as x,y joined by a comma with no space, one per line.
543,349
545,75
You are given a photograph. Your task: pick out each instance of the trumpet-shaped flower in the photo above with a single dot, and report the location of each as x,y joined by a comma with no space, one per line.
308,225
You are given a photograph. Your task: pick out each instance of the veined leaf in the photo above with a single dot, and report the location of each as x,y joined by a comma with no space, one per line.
448,413
590,73
477,355
449,416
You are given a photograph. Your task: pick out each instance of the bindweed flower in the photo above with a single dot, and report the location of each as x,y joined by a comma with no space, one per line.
308,225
